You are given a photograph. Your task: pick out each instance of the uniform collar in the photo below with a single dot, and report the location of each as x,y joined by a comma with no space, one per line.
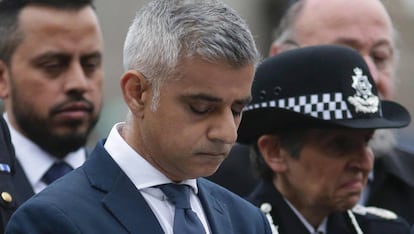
311,229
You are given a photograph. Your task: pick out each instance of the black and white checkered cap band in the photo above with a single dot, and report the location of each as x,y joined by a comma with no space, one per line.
327,106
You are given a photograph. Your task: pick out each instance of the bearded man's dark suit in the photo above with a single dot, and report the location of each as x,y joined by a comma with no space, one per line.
98,197
393,184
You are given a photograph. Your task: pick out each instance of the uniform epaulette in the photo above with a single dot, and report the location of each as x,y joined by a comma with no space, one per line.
380,212
266,208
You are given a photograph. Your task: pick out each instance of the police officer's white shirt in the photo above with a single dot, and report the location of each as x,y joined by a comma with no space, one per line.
311,229
35,161
144,176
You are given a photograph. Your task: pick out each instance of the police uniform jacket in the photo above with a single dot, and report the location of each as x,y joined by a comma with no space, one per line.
8,203
392,187
285,221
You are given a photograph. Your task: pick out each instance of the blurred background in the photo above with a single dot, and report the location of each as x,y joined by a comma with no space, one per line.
262,17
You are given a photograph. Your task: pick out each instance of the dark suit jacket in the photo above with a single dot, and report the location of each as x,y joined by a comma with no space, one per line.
7,189
99,198
18,186
16,183
338,223
23,188
393,185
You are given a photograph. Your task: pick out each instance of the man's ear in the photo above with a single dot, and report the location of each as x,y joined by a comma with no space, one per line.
274,49
135,90
278,48
4,80
270,148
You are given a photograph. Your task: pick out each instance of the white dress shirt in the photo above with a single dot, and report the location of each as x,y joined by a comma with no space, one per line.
144,176
35,161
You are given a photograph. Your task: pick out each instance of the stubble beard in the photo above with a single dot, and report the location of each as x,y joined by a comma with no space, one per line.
41,130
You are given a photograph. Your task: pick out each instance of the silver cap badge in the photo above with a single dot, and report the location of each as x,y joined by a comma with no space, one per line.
364,100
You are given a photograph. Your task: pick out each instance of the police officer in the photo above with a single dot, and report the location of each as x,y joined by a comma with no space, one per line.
314,110
8,203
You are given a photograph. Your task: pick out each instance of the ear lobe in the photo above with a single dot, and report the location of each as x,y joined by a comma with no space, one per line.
134,87
270,148
4,80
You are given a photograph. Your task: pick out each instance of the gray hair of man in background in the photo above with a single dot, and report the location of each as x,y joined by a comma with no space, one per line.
157,41
285,36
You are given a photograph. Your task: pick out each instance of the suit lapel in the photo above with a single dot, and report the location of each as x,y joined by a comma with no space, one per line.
126,203
22,185
24,189
215,210
122,199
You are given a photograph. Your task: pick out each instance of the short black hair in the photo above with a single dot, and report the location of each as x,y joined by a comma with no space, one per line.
10,37
290,139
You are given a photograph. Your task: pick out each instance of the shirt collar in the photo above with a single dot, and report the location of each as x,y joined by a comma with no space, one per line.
138,170
34,160
311,229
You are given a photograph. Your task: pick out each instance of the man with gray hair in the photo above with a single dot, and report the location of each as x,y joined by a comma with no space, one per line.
189,71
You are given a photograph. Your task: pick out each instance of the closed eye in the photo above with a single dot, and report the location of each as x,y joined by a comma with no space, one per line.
55,67
200,109
91,63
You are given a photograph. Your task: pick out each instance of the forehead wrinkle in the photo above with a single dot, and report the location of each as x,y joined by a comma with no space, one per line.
317,12
35,24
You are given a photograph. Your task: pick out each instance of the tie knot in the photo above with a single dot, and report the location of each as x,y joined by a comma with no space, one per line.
57,170
178,194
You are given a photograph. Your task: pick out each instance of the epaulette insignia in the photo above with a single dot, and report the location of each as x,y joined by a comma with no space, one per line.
266,208
380,212
5,168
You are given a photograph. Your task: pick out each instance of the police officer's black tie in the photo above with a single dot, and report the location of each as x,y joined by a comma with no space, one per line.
57,170
185,220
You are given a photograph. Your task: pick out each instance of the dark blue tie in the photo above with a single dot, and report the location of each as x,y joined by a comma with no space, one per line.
185,220
57,170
